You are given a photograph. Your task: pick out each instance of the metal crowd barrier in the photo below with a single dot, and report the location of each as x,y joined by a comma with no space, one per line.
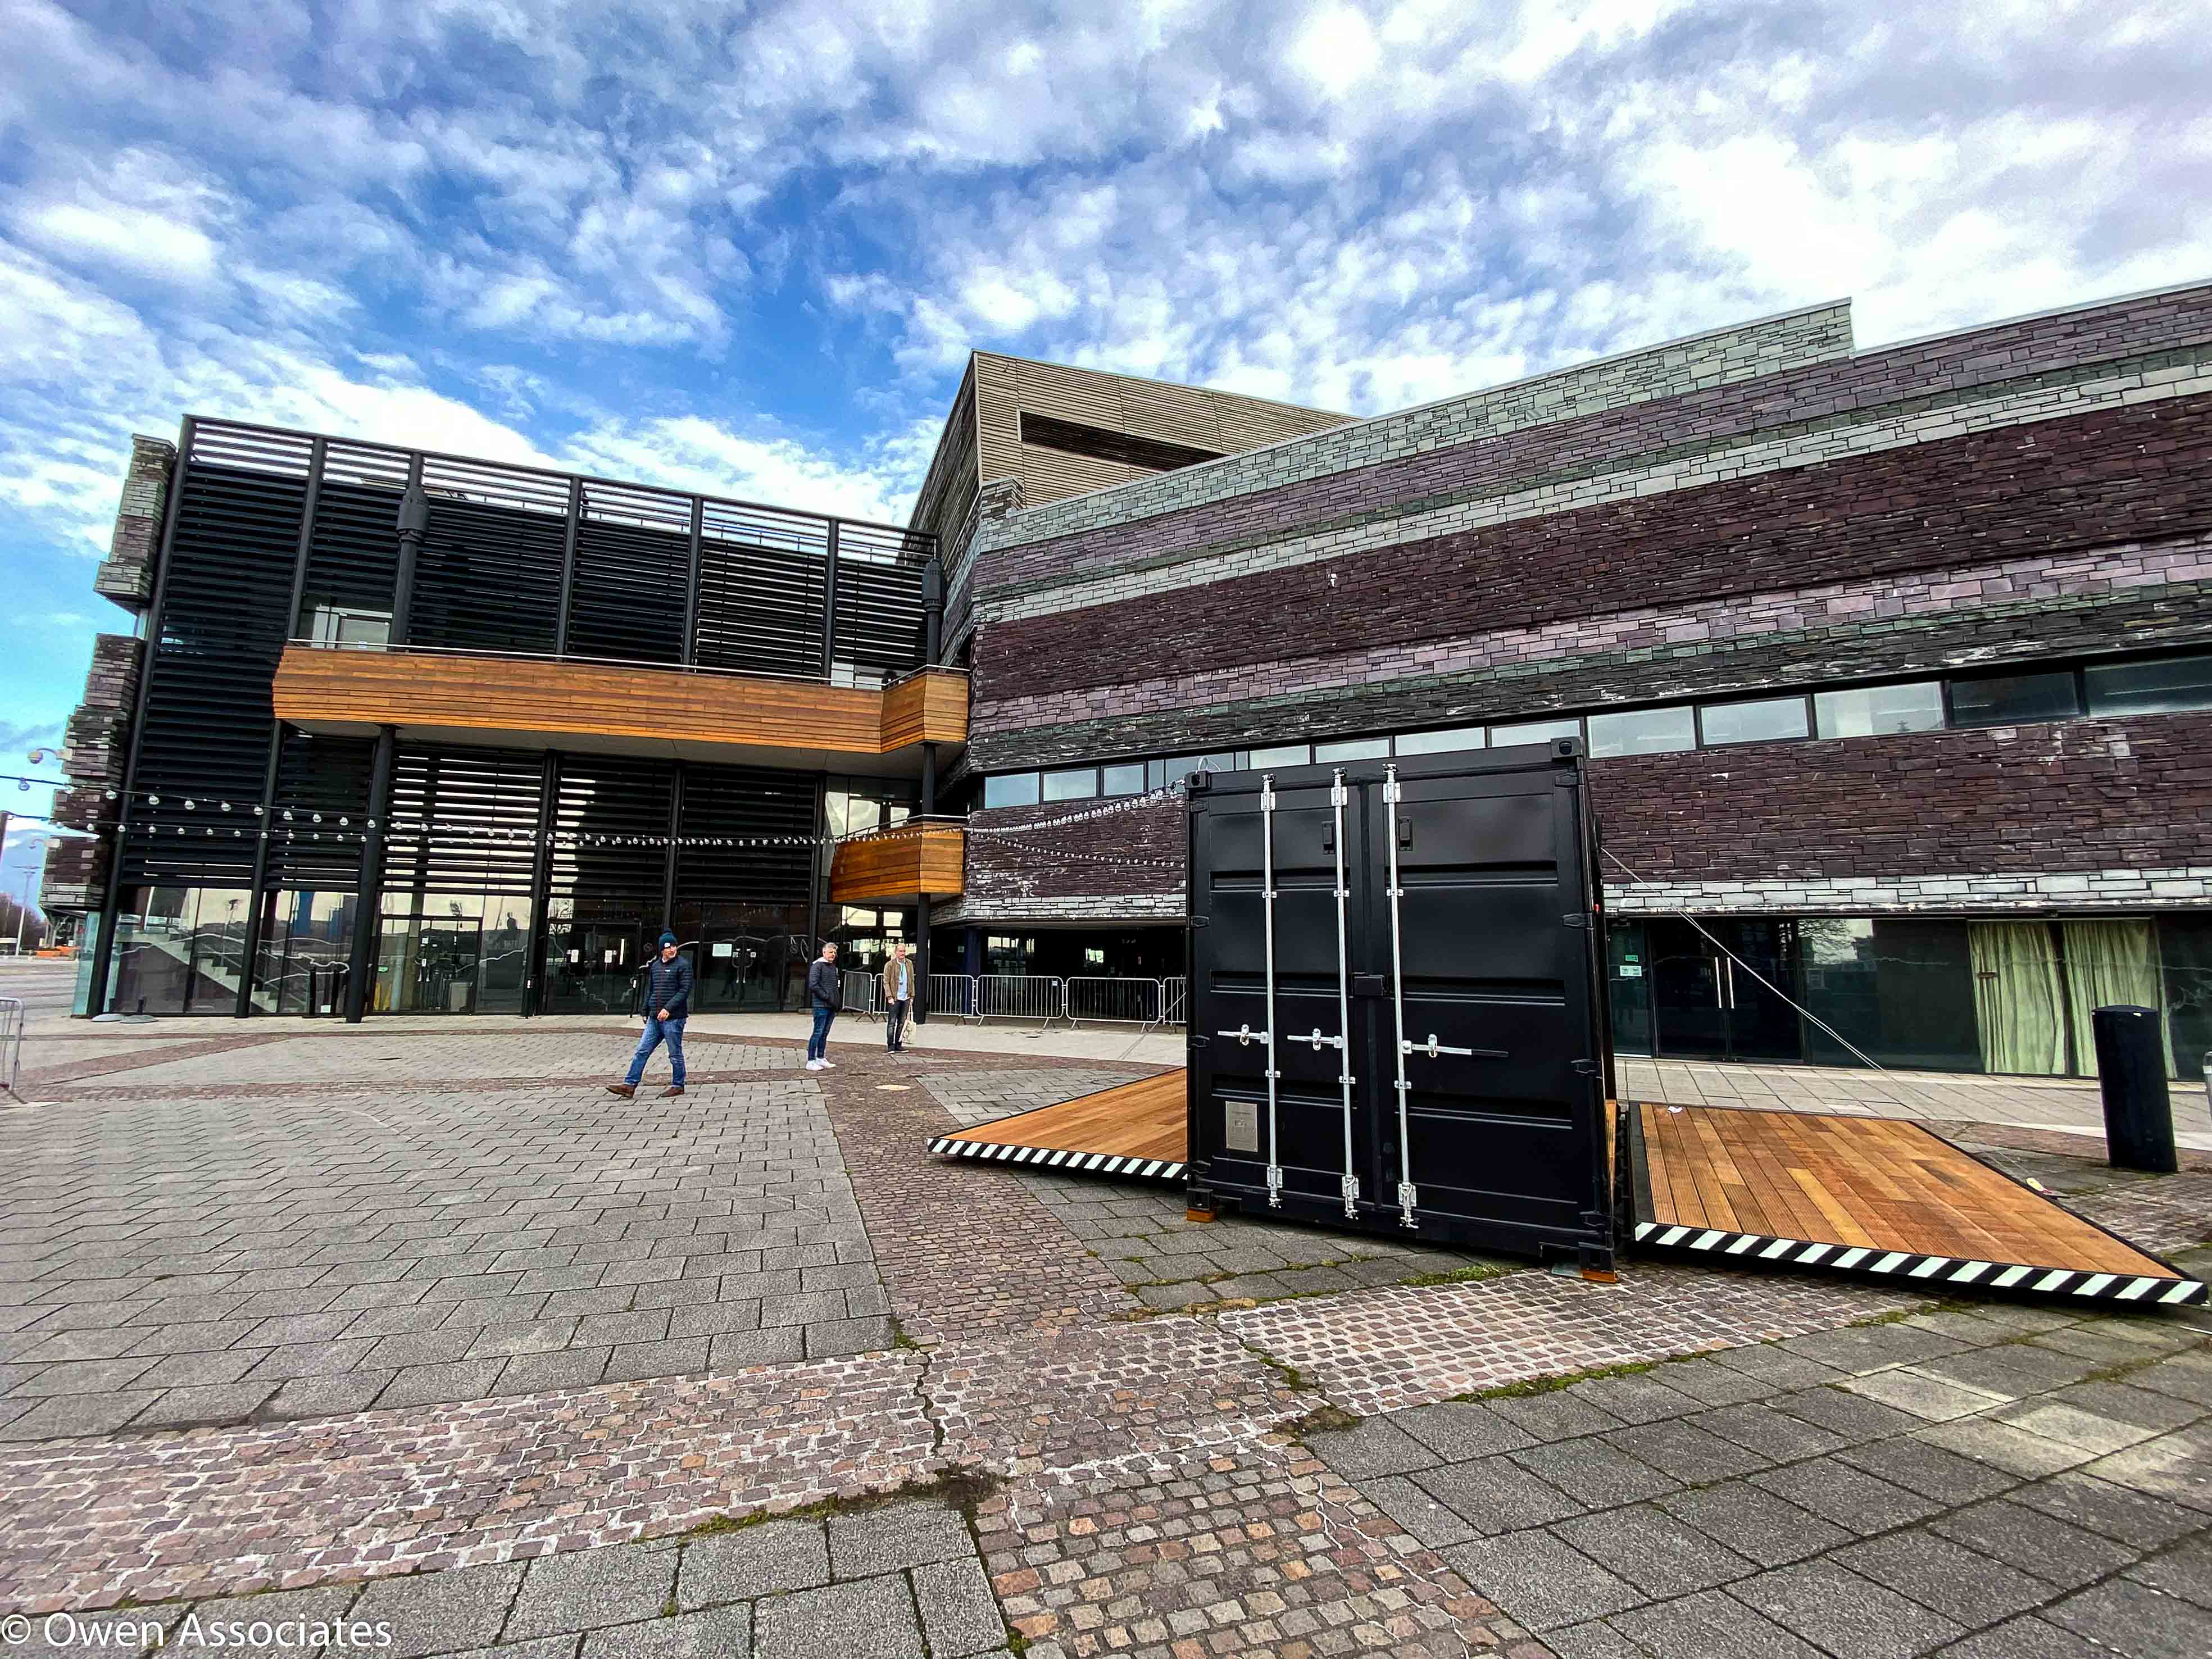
11,1042
952,995
1174,1000
1021,996
864,993
1108,1001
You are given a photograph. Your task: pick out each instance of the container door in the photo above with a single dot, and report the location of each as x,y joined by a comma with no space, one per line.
1505,1096
1229,992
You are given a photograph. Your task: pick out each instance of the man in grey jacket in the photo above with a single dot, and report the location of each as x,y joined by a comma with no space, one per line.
825,991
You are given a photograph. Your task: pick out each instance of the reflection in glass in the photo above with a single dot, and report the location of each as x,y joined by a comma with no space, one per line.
1902,993
1351,749
1127,778
1076,783
1868,711
1505,737
1286,754
1440,742
2161,685
179,950
1766,720
1010,789
2001,698
1642,731
2185,949
1628,986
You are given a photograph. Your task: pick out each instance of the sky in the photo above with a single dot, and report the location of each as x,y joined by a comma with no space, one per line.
746,247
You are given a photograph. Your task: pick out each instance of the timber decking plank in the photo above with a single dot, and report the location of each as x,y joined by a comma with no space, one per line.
1146,1119
1875,1183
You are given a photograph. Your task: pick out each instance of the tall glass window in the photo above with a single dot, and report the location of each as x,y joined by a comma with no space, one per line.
1076,783
1010,789
1440,742
1642,731
2003,699
1868,711
2163,685
1900,992
1766,720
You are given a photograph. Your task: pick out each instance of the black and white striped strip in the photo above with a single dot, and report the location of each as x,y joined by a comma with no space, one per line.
1904,1265
1045,1157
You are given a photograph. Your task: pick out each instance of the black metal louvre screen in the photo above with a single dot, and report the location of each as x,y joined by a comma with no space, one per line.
1501,1128
633,570
879,616
488,575
353,556
737,805
463,821
326,778
223,624
763,579
612,821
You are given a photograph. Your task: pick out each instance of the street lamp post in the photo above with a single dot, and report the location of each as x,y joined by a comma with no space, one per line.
23,909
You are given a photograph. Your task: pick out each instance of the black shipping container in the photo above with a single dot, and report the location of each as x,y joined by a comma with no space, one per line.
1469,1104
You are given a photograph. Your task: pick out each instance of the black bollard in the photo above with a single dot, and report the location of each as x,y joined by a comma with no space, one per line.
2131,1073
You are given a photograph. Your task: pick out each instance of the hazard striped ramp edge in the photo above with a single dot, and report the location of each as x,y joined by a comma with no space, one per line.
1053,1158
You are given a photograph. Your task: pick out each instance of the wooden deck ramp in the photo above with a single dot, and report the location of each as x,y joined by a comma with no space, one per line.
1868,1196
1138,1131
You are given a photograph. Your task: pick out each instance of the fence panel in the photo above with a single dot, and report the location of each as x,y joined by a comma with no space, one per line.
1021,996
1174,1000
1114,1001
11,1042
954,996
864,993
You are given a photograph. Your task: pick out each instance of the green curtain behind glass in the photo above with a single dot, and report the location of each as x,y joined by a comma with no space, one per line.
2109,963
2018,998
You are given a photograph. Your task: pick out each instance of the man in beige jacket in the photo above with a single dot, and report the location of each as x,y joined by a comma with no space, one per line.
898,998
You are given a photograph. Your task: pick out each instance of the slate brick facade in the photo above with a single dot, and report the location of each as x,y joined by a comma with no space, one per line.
1696,521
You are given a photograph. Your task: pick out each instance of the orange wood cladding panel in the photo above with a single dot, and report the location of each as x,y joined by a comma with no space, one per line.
897,866
492,695
1146,1119
1869,1182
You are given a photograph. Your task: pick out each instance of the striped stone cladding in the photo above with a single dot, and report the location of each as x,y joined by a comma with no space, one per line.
2138,471
2075,814
1981,616
2034,361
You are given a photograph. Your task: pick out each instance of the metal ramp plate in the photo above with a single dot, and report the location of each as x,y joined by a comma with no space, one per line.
1872,1197
1137,1131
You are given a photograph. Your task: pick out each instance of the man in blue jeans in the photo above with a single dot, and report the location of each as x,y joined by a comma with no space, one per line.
826,992
667,1005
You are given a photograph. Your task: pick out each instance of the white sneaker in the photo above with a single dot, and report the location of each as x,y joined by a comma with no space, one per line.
828,1065
814,1065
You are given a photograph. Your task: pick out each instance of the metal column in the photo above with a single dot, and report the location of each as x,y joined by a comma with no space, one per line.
255,907
921,898
568,567
103,956
1337,796
534,988
829,606
668,865
370,895
413,523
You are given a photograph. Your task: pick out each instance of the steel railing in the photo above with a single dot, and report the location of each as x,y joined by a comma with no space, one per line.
11,1042
1021,996
952,995
1114,1001
1174,1000
863,993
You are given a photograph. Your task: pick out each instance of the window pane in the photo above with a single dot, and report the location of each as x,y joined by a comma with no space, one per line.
1901,992
1871,710
1505,737
1214,763
1764,721
1642,731
2151,687
1010,789
1077,783
2003,698
1440,742
1347,749
1125,780
1289,754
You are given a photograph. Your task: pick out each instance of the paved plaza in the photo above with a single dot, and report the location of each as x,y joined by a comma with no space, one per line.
412,1326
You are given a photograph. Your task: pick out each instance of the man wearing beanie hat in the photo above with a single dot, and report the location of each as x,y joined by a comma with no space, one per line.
667,1005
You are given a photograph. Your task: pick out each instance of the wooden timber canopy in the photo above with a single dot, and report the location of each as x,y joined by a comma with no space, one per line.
901,864
543,701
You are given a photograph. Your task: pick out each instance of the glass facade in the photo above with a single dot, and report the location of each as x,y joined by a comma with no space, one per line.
179,950
2004,699
1766,721
1868,711
1644,731
2002,995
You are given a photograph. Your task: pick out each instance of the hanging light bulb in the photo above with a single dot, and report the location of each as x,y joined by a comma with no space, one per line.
226,806
192,805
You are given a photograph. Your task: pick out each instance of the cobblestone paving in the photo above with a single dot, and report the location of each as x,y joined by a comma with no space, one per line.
1151,1481
1987,1483
417,1061
169,1263
875,1582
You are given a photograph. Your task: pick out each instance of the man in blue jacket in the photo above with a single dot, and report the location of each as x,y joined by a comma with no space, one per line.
667,1005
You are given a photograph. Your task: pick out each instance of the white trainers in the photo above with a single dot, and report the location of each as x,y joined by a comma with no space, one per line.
828,1065
815,1065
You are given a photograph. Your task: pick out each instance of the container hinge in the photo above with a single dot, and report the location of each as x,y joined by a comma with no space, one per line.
1201,921
1339,795
1574,919
1199,1039
1275,1186
1408,1200
1583,1067
1390,790
1350,1186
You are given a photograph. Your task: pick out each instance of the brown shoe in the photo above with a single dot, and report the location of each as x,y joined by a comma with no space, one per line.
623,1089
671,1093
